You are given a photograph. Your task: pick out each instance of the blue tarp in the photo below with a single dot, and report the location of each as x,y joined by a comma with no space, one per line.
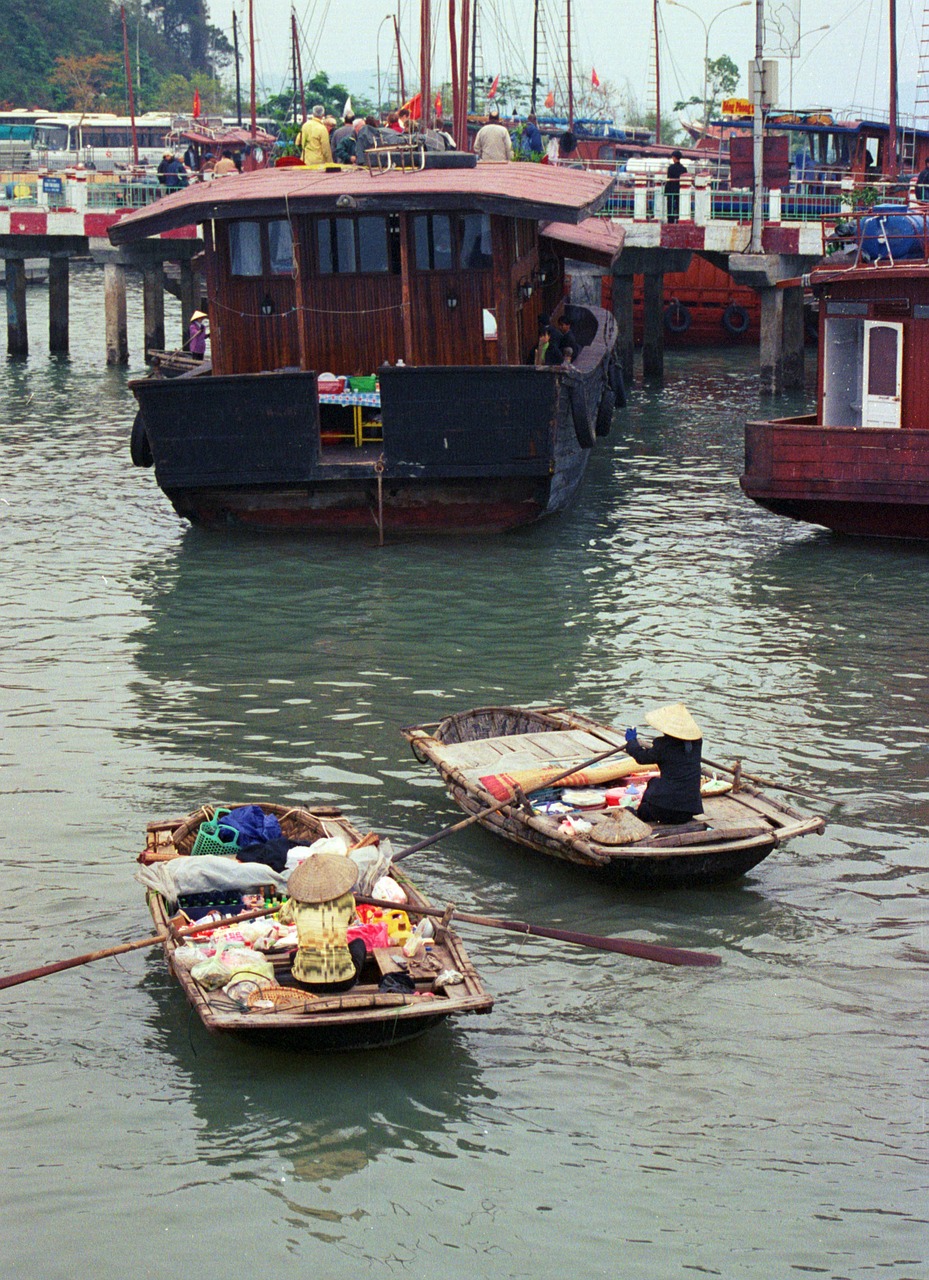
892,232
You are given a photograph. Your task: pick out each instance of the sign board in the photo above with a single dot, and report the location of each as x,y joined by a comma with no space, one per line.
736,107
775,162
53,186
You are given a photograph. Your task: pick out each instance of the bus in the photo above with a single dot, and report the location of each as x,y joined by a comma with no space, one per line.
98,140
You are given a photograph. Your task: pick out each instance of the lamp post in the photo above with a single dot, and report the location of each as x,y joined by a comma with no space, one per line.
795,53
377,47
707,28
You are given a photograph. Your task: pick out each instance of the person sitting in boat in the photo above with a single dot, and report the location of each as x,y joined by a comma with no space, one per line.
540,351
674,796
564,346
313,138
321,905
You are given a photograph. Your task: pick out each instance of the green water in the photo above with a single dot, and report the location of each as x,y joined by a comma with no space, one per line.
611,1117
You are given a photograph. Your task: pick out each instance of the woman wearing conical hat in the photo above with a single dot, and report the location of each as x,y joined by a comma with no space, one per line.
674,796
321,905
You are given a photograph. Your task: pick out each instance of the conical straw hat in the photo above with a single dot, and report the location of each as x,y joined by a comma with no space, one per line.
322,877
674,720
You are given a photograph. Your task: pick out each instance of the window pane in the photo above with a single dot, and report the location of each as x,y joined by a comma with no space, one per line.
442,257
280,247
421,241
882,362
372,244
345,245
475,248
245,248
324,243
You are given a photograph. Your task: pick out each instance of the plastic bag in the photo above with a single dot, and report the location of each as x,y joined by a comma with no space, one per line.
326,844
187,956
253,824
389,890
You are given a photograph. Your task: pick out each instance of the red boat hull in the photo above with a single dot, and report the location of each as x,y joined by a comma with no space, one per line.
863,481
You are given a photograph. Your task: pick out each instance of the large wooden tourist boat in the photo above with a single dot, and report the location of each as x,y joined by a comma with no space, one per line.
860,464
275,1011
517,752
372,333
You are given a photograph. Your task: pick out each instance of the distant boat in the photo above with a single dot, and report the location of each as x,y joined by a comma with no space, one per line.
860,464
372,338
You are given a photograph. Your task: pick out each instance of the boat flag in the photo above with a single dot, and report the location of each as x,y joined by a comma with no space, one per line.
550,100
348,109
492,92
438,104
196,104
414,106
594,78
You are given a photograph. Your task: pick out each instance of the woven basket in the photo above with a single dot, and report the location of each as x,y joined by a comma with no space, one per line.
296,824
281,999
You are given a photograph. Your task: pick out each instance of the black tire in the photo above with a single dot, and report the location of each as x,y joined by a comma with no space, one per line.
140,451
735,319
605,412
581,418
677,318
617,384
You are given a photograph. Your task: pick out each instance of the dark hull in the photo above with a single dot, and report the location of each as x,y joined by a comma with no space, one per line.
476,449
863,482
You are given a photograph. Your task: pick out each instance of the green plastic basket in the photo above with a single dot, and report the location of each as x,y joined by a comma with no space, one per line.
214,836
363,382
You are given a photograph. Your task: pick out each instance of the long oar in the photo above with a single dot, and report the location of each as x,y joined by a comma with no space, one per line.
14,979
626,946
502,804
761,782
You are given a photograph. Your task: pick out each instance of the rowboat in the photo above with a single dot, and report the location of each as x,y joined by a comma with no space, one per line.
277,1012
492,759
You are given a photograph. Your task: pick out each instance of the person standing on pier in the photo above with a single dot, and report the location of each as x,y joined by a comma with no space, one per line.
672,188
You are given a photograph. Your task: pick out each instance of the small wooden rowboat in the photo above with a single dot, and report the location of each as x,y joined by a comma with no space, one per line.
493,753
364,1017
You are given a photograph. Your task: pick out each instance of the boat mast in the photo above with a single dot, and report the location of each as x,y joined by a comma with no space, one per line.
461,129
251,46
464,36
425,62
238,69
135,137
535,52
657,77
892,135
298,67
401,86
570,76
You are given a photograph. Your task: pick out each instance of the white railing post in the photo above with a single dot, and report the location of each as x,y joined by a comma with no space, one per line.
640,198
774,206
703,201
76,192
687,200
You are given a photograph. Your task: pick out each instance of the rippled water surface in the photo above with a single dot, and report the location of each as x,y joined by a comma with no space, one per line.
611,1117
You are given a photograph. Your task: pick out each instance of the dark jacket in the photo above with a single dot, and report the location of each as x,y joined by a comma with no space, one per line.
678,786
532,139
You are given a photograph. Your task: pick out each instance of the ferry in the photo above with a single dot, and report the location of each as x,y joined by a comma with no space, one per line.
859,465
372,338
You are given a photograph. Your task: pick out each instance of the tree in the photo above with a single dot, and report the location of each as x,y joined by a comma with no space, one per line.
722,78
186,28
85,80
176,94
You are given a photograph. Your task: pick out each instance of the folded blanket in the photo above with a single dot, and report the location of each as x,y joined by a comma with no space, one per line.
501,785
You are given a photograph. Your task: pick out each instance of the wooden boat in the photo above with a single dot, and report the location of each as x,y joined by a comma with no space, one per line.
419,292
860,464
362,1018
475,751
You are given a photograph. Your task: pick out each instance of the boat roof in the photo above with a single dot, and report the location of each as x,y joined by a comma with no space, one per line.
515,190
227,137
598,240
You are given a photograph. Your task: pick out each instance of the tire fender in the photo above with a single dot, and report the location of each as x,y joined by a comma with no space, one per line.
677,318
617,384
140,451
735,319
605,411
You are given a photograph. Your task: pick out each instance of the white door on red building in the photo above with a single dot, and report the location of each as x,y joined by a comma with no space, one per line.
882,374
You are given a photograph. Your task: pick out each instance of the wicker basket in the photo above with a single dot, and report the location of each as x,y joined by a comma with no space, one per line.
270,999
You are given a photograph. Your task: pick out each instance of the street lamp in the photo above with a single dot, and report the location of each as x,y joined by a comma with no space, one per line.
793,53
707,28
377,49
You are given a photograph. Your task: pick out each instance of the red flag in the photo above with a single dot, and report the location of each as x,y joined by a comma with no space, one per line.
550,100
594,78
438,104
196,104
414,106
493,88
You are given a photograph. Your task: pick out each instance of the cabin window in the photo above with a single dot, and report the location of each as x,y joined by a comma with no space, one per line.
369,244
443,243
476,245
245,248
280,248
882,361
372,244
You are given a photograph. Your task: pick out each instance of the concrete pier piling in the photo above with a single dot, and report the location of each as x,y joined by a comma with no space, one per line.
114,294
17,335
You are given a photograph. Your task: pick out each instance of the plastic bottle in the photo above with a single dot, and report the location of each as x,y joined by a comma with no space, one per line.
416,942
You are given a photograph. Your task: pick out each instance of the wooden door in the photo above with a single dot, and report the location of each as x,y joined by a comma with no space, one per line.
882,374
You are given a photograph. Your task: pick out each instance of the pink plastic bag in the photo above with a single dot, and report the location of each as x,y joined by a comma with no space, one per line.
374,934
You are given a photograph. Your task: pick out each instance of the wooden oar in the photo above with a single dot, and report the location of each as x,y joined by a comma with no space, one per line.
14,979
502,804
761,782
626,946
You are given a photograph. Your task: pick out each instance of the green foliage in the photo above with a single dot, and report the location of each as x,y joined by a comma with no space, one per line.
176,94
285,106
722,79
